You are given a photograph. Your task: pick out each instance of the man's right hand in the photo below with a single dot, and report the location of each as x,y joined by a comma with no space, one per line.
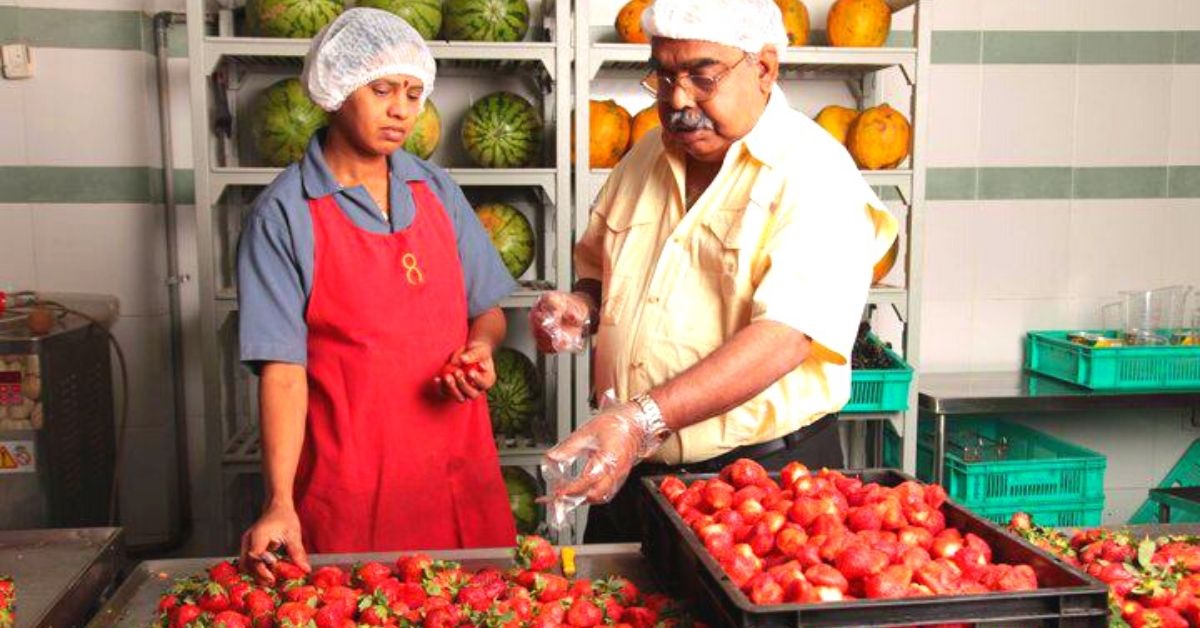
279,526
560,320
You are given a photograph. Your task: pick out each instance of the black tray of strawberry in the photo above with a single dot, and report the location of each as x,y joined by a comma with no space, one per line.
855,548
403,590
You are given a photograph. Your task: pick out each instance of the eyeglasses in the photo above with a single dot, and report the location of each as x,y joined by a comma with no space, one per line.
700,87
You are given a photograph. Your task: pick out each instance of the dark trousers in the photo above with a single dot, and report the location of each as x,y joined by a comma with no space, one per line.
816,445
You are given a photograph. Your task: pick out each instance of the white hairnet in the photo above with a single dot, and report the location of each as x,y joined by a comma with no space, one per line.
362,45
745,24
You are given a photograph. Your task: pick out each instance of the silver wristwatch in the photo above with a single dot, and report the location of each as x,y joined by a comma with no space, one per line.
652,423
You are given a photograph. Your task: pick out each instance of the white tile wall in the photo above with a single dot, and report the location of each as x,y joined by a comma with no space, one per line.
955,103
1180,256
1115,245
1019,249
1184,136
1025,15
950,252
1123,115
108,5
1189,14
1029,110
146,344
998,329
18,269
945,332
1120,15
111,249
12,116
954,15
92,106
147,484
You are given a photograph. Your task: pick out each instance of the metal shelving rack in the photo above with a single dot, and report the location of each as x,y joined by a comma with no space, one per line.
219,56
596,56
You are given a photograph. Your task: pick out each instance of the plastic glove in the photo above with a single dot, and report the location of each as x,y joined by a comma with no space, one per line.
559,321
594,461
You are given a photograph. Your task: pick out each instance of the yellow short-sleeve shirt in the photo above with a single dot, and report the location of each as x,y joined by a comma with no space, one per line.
788,231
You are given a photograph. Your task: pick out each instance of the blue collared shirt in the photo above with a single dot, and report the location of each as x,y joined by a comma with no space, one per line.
275,253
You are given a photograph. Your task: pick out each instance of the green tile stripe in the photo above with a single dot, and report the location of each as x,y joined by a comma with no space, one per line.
958,47
73,28
1066,47
1030,47
1026,183
90,184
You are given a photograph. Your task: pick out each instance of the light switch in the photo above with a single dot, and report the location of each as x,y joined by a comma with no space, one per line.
17,64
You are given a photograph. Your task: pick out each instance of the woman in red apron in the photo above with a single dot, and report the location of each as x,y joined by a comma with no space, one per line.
376,435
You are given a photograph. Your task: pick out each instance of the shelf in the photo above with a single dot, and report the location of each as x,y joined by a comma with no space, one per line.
802,60
899,179
243,453
221,178
280,52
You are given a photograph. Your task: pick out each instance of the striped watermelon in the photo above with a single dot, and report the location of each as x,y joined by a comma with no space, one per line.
297,19
487,20
426,132
282,122
513,401
502,130
511,234
522,493
423,15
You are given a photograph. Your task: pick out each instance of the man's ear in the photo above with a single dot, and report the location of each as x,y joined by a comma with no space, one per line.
767,63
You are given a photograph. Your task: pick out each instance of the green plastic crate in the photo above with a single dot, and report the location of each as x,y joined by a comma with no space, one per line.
891,447
880,390
1050,353
1186,472
1058,515
1039,470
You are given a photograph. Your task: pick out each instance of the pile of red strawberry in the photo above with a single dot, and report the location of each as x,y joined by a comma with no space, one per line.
1151,582
418,591
8,602
819,537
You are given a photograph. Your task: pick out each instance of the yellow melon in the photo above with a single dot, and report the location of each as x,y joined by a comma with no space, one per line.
837,120
629,22
610,127
795,21
858,23
885,264
643,122
879,138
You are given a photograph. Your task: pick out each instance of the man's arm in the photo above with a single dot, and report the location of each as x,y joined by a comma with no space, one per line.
750,362
490,327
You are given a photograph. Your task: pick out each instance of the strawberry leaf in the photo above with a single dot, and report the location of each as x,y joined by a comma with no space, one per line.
1145,552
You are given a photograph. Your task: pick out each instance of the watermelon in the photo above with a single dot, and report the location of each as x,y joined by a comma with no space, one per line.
282,122
297,19
522,491
487,20
423,15
511,234
502,130
426,132
513,400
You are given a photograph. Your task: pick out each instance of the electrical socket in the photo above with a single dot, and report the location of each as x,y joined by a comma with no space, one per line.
17,63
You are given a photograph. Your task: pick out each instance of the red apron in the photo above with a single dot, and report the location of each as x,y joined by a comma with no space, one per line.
388,464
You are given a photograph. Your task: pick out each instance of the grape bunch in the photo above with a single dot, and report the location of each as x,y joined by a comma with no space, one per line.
868,354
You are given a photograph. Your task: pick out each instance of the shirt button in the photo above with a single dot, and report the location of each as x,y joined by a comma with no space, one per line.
653,299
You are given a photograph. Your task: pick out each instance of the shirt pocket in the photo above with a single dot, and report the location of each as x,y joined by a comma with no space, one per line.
719,248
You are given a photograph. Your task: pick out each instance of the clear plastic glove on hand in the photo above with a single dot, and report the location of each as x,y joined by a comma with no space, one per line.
594,461
560,321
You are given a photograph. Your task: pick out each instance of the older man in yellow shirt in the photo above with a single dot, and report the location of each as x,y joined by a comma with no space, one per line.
723,271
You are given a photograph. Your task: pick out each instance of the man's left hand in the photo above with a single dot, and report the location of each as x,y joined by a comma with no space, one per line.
610,444
469,373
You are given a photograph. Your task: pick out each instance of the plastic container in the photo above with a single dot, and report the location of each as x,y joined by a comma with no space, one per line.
1036,469
1086,514
1186,472
880,390
1050,353
1067,597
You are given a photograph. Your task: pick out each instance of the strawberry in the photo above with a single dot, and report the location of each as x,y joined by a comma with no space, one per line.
185,615
640,617
937,577
340,594
238,590
259,602
223,573
410,568
443,617
935,496
740,568
166,603
550,587
369,575
328,577
580,588
762,541
864,518
859,561
890,513
826,576
790,539
332,615
972,562
535,553
809,555
753,491
891,583
294,615
792,472
848,485
213,598
474,596
671,487
1020,522
946,543
584,612
1011,578
915,537
833,545
805,510
1119,553
285,570
763,589
751,510
306,594
621,588
774,521
1157,618
744,472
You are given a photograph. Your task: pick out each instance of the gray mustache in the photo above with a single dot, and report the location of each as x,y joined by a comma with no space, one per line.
688,120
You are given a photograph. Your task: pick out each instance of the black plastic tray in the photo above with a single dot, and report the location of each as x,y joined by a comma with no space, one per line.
1068,597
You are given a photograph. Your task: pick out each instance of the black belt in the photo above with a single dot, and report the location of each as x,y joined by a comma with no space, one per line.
762,450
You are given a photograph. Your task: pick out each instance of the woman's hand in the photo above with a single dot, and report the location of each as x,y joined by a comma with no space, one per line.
469,373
